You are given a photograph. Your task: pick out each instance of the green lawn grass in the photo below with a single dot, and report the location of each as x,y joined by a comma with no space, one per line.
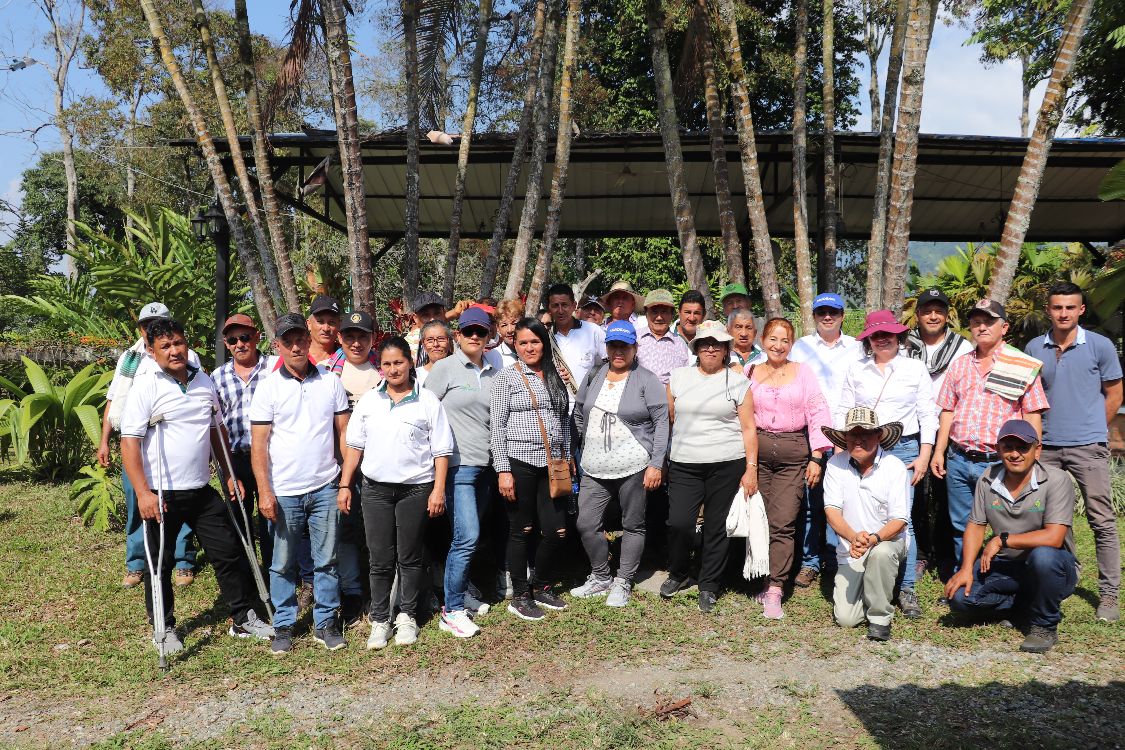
70,635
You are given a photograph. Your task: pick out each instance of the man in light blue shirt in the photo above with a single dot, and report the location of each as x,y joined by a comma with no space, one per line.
1082,377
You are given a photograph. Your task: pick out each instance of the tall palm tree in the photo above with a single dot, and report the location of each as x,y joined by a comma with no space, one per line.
901,196
337,46
530,213
222,101
673,153
562,158
410,12
484,20
519,152
1035,160
800,149
830,207
751,177
877,245
270,204
262,299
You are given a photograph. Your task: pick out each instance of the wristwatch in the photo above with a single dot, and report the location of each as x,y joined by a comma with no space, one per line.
1003,539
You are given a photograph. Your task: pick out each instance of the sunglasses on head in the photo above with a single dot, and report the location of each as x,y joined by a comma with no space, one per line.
243,337
478,331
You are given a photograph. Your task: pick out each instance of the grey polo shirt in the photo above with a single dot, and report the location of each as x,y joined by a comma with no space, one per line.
1073,383
1047,498
466,391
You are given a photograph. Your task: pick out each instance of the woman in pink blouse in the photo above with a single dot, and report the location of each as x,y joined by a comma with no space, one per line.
789,411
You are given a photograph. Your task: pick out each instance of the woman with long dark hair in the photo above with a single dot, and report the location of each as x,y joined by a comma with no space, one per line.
530,402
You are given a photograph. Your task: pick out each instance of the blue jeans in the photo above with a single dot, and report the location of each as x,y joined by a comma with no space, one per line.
467,494
961,477
347,548
906,450
812,530
1040,582
135,536
316,511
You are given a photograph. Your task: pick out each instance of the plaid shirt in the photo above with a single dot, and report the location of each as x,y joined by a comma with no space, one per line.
235,397
978,414
514,427
335,363
662,355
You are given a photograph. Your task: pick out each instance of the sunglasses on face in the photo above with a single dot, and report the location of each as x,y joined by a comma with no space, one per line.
474,332
1018,447
243,337
882,335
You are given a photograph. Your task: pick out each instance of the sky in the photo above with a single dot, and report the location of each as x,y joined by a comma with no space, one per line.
962,96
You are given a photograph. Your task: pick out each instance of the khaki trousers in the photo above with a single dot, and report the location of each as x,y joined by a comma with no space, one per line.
864,588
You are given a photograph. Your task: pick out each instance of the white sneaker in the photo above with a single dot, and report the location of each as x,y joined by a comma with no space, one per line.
473,604
458,623
252,628
406,630
593,586
619,593
380,632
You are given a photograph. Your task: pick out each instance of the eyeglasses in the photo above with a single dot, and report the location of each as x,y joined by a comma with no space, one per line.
474,331
435,341
243,337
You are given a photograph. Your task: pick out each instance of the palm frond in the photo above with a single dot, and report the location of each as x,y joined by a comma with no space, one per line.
689,72
436,23
304,22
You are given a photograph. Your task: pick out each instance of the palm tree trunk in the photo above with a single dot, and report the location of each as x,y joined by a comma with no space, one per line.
673,154
805,291
222,101
538,155
830,207
262,300
877,245
751,178
1035,160
334,17
413,188
873,45
732,247
519,153
270,204
1025,99
484,20
901,195
562,159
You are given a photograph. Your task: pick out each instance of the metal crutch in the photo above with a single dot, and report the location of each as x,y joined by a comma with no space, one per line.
226,464
159,626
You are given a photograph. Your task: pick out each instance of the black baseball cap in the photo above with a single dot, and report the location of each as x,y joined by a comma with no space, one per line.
324,303
933,294
289,322
359,320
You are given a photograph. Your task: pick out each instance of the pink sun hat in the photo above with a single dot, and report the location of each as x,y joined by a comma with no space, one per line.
881,320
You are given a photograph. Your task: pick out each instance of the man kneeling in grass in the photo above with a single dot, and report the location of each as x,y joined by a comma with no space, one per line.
1029,561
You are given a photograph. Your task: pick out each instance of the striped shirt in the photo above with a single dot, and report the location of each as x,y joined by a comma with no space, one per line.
513,425
235,396
978,414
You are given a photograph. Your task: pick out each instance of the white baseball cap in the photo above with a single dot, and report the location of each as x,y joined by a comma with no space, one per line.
153,310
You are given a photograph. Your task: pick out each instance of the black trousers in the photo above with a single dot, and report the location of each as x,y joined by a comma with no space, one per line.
533,509
394,520
261,530
711,486
203,510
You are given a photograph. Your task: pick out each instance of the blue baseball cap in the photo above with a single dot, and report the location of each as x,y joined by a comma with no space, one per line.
1020,429
828,299
621,330
474,316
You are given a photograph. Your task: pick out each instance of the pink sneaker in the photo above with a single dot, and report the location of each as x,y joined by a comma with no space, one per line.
771,600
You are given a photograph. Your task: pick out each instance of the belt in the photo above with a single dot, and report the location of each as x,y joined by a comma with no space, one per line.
976,456
912,436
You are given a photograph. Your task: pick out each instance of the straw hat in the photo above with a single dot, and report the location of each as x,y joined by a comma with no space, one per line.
623,286
710,329
863,418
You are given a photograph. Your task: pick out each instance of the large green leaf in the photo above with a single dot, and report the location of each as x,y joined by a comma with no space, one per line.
38,379
11,387
91,421
1113,184
35,407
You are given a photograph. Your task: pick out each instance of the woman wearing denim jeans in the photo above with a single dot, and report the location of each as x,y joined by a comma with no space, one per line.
401,435
463,384
899,389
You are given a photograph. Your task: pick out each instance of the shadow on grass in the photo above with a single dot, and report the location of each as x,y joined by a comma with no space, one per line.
994,715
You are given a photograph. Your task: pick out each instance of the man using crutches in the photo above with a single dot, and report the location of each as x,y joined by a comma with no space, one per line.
166,442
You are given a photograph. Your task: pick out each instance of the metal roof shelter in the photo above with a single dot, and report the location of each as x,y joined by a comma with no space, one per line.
617,185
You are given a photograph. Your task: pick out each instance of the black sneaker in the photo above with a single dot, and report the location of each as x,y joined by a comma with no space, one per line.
707,601
525,608
908,603
1039,640
878,632
330,637
544,598
282,641
673,586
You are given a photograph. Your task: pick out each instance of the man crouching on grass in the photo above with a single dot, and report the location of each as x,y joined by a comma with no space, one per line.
1029,560
174,456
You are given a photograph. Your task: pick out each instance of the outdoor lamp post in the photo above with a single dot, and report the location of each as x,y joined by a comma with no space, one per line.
213,224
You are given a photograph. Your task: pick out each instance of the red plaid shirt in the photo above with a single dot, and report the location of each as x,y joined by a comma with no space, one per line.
978,414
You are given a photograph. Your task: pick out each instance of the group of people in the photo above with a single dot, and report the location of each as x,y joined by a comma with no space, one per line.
357,456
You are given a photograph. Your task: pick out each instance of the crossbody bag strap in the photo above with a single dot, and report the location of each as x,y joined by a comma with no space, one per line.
535,405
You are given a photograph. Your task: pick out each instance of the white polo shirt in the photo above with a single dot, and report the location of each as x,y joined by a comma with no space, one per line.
867,503
829,363
147,365
582,347
400,441
302,436
181,443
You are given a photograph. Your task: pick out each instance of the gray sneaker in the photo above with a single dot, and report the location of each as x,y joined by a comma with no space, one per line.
169,644
330,636
1039,640
619,593
1108,609
593,586
908,603
473,604
252,628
